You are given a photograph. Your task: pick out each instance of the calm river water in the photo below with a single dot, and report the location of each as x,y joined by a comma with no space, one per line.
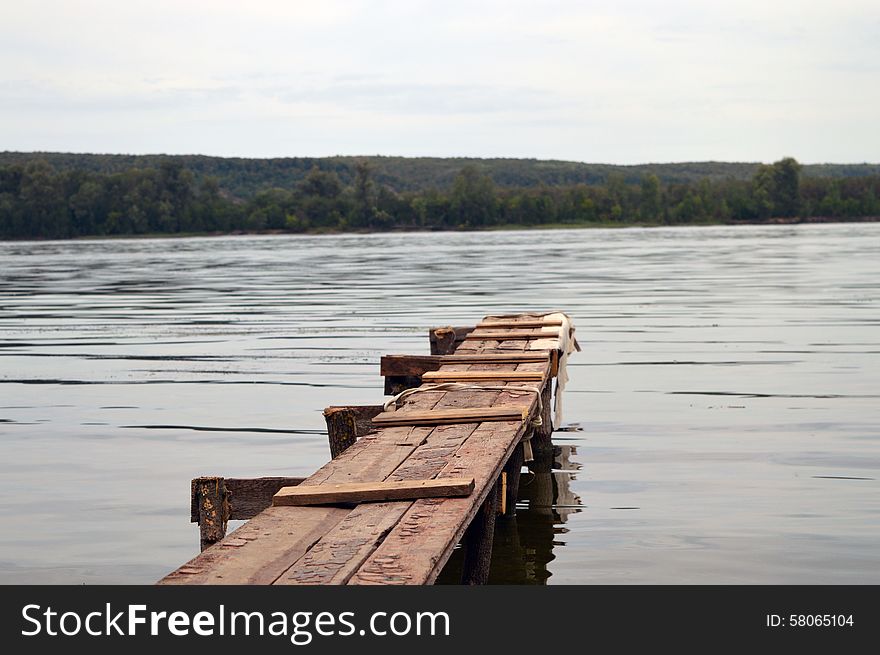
723,419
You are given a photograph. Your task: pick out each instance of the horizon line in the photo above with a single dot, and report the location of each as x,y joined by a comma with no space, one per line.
455,157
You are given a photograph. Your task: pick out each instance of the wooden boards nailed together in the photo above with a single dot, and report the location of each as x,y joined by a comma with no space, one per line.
467,376
518,324
362,492
511,336
450,416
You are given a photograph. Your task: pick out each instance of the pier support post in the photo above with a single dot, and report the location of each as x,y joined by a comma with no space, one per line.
346,424
513,469
341,429
442,340
543,433
445,339
478,541
211,499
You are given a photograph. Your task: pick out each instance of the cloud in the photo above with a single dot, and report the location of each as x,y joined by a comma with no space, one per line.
49,97
422,98
624,81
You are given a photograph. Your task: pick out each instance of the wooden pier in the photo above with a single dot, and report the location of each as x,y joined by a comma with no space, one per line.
409,480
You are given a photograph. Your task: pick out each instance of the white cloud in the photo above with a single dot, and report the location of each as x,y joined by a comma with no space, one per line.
600,81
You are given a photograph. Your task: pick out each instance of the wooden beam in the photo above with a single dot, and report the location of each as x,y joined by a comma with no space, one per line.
511,336
364,492
495,358
411,367
249,497
510,376
416,549
451,416
246,497
521,324
261,550
338,555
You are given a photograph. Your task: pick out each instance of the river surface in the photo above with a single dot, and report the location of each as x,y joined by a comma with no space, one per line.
722,423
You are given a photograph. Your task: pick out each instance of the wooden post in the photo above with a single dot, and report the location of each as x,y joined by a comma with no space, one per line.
341,429
543,432
445,339
442,340
210,496
346,424
513,469
478,541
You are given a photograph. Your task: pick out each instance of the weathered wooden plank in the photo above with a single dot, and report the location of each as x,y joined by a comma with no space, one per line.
472,346
492,358
416,365
339,554
409,365
447,416
403,372
249,497
509,336
366,492
379,564
465,376
263,548
487,324
467,349
514,345
415,549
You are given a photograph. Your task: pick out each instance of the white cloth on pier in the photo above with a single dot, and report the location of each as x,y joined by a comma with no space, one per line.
565,343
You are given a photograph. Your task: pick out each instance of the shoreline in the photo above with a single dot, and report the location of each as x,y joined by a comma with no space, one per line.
508,227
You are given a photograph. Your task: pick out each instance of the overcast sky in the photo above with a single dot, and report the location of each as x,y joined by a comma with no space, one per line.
620,82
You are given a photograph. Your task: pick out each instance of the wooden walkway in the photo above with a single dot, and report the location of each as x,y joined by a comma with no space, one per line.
504,363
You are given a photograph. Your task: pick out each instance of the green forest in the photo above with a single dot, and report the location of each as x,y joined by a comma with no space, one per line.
50,195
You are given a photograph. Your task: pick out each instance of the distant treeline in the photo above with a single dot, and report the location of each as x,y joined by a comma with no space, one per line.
39,201
243,178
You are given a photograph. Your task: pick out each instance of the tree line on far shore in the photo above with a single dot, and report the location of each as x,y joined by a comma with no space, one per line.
37,201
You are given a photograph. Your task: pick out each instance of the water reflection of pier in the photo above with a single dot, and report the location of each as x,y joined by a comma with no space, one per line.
524,543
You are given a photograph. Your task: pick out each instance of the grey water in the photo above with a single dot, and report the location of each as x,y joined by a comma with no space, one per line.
722,423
